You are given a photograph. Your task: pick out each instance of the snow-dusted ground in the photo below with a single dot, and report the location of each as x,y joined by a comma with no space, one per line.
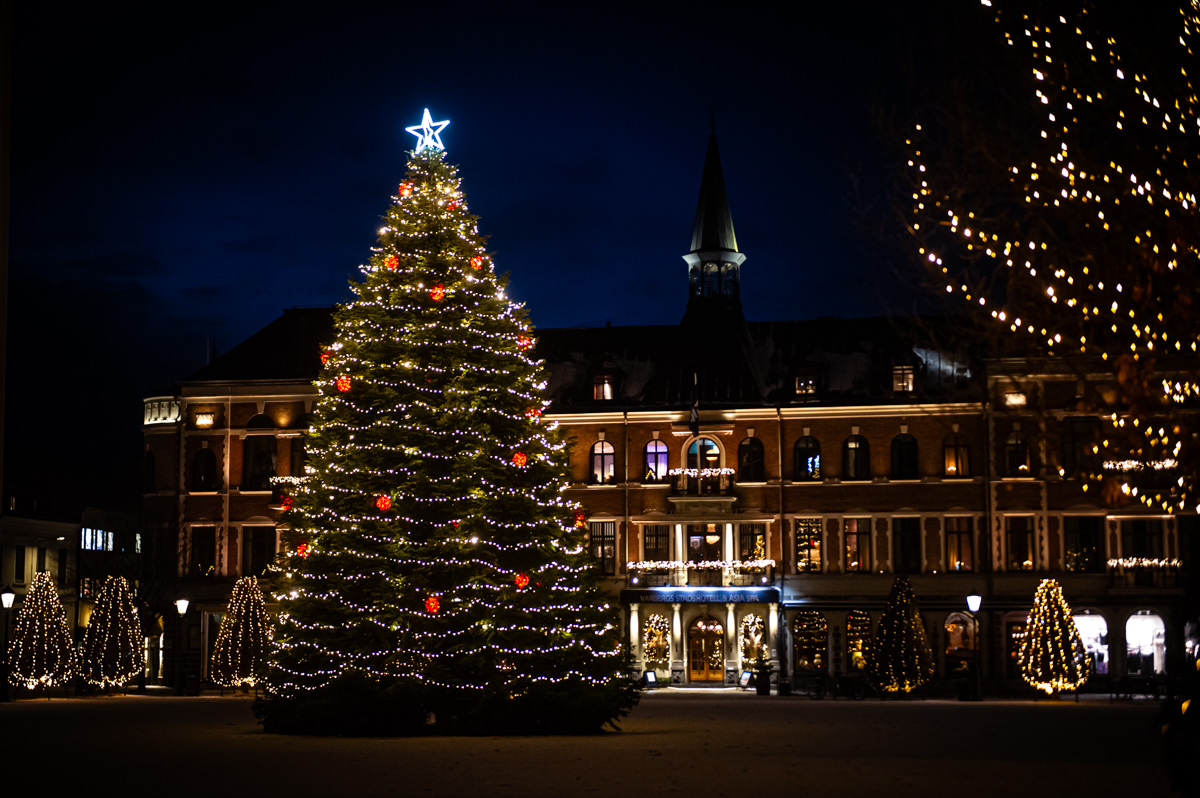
676,742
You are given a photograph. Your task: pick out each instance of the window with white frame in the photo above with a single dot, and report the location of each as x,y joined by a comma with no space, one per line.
604,464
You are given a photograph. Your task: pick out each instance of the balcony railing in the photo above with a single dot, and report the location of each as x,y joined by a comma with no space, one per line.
702,481
710,573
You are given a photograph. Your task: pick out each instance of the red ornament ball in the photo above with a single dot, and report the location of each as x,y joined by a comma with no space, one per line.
343,383
580,519
391,261
302,549
326,356
533,412
520,459
286,503
406,189
524,342
432,605
438,292
522,581
383,503
477,262
452,206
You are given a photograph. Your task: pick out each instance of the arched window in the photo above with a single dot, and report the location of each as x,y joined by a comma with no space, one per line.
807,457
149,474
703,453
858,640
1093,631
961,644
1145,644
957,455
856,458
204,470
656,462
810,642
604,464
1016,456
751,461
904,457
258,462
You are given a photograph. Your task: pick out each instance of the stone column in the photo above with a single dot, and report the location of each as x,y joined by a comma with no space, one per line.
636,655
731,641
678,663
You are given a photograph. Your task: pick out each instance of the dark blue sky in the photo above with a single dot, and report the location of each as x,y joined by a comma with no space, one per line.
179,176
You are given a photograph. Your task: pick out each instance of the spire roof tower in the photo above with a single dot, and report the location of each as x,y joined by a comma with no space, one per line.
714,263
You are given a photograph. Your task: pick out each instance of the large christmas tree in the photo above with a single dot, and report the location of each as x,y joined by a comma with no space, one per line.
1052,656
41,653
899,659
112,644
435,570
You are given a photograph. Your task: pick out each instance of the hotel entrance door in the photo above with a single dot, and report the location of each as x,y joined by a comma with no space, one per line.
706,651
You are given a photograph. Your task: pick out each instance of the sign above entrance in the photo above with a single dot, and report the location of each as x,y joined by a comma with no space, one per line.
703,595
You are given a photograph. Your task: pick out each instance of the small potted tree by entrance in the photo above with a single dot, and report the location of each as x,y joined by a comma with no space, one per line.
762,673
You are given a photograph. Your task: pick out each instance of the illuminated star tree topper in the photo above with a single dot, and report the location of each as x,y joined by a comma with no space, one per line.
428,133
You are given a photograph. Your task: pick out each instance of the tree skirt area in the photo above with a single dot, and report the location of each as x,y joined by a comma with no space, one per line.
686,742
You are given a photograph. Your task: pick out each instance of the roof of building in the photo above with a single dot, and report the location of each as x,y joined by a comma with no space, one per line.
287,349
713,230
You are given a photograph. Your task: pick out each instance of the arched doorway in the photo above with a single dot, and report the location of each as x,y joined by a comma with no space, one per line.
1145,644
1093,630
706,651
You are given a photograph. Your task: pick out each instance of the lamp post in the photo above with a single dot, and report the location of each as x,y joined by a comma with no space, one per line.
973,603
6,601
181,606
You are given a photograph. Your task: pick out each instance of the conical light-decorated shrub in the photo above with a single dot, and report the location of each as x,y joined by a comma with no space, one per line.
1052,655
435,568
112,644
899,659
41,653
243,642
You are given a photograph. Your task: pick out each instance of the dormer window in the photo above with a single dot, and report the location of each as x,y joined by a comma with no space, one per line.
806,386
902,379
602,388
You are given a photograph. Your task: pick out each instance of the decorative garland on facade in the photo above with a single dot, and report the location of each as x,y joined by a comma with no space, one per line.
702,473
1144,562
703,565
751,636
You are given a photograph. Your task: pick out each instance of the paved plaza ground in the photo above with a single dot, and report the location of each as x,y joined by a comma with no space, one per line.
676,742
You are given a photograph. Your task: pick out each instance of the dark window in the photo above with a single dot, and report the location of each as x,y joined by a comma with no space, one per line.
807,456
1084,543
656,462
603,544
856,458
258,549
906,545
41,559
1016,456
751,461
857,536
62,566
258,462
604,463
1079,437
298,457
752,542
1019,532
1189,541
957,455
958,544
602,388
1142,537
204,470
656,542
204,551
808,545
904,457
19,564
149,474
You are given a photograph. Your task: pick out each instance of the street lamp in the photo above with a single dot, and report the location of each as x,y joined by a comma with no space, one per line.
973,604
181,606
6,601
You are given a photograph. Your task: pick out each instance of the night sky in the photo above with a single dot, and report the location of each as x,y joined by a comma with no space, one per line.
179,177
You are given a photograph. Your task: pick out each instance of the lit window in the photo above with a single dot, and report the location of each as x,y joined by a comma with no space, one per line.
810,642
604,467
97,540
957,456
1019,532
902,379
602,388
958,544
806,386
857,535
656,462
858,640
1016,456
807,457
808,545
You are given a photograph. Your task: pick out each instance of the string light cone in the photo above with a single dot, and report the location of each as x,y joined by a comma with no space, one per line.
112,644
1068,220
244,639
899,659
41,653
470,597
1052,655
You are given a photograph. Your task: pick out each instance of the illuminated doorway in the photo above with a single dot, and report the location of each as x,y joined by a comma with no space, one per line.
706,651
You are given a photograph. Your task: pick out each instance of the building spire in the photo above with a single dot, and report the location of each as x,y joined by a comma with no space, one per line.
714,263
